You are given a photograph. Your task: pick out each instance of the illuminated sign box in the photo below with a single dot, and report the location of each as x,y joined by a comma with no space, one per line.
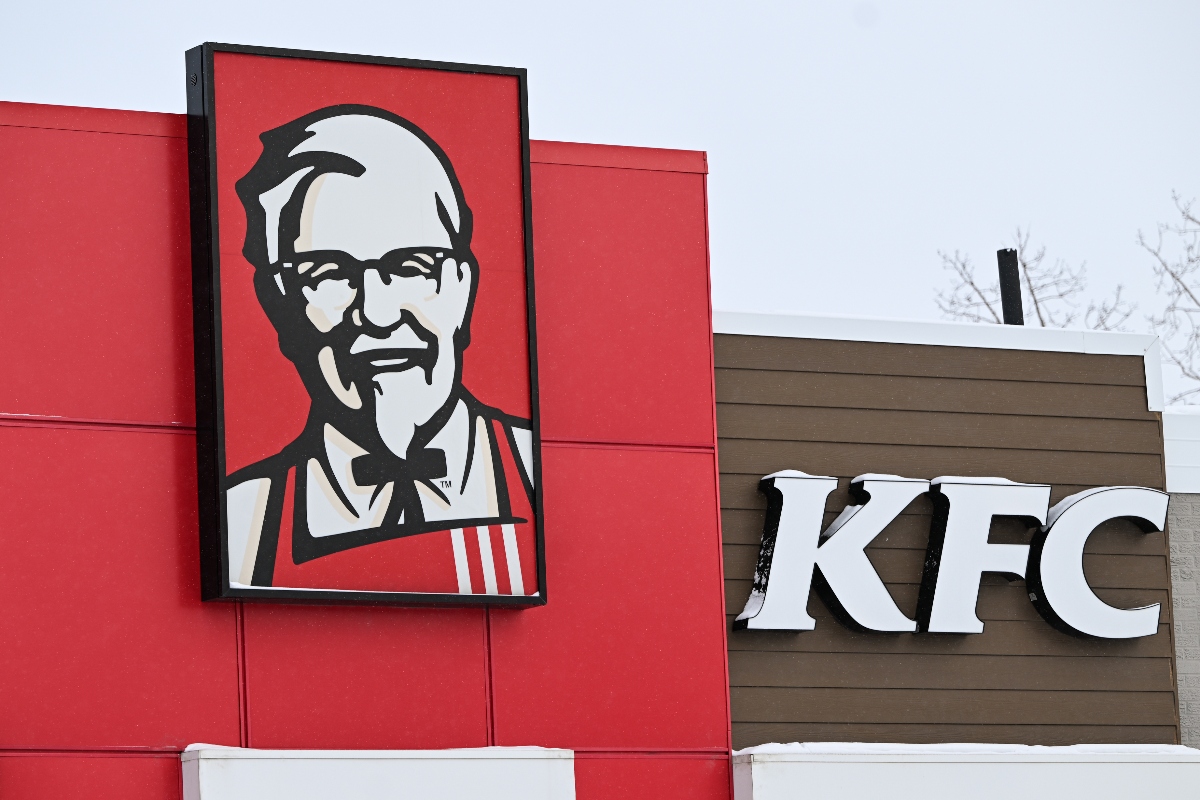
365,350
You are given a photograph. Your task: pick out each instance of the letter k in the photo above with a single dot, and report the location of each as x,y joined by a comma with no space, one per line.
792,547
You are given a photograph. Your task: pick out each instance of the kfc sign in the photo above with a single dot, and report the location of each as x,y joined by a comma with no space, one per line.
365,351
794,551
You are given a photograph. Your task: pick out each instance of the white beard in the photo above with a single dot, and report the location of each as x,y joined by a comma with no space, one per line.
407,402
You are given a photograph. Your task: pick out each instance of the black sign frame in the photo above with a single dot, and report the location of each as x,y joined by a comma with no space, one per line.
206,304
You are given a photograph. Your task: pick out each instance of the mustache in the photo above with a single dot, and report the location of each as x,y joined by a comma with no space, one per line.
409,344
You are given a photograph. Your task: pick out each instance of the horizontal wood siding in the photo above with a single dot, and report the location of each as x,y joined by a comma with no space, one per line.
846,408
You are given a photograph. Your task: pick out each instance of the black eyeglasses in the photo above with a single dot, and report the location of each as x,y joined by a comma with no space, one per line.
314,266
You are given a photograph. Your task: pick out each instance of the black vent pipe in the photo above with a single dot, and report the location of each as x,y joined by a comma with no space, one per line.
1010,287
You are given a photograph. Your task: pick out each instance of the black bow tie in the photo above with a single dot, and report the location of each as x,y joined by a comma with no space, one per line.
376,469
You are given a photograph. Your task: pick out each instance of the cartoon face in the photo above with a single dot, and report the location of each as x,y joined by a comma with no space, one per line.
368,275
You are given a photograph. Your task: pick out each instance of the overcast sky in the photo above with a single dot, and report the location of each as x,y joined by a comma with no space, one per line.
847,142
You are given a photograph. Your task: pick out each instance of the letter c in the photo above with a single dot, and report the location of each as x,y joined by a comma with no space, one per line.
1057,585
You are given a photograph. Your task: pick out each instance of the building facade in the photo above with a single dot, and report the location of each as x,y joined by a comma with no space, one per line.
659,421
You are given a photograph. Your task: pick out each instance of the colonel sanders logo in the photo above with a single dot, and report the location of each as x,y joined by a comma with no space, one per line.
360,237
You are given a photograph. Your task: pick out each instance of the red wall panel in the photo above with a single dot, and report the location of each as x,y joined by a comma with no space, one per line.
95,776
104,639
97,319
365,678
629,650
654,159
624,333
99,583
651,778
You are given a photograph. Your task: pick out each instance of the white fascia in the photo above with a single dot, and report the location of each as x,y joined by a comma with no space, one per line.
953,334
1181,435
495,773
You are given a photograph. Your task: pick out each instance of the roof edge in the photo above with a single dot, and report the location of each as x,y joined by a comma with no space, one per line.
92,120
575,154
952,334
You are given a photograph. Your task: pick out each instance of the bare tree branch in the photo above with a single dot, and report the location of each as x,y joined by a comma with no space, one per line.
1109,315
1051,290
970,299
1178,325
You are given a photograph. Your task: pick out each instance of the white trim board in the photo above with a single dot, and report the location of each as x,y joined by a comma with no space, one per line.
915,772
952,334
212,772
1181,435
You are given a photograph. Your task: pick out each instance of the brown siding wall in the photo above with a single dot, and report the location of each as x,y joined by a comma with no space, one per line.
847,408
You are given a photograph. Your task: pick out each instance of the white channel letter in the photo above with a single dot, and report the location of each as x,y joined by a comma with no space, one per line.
959,550
858,592
1057,584
795,506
